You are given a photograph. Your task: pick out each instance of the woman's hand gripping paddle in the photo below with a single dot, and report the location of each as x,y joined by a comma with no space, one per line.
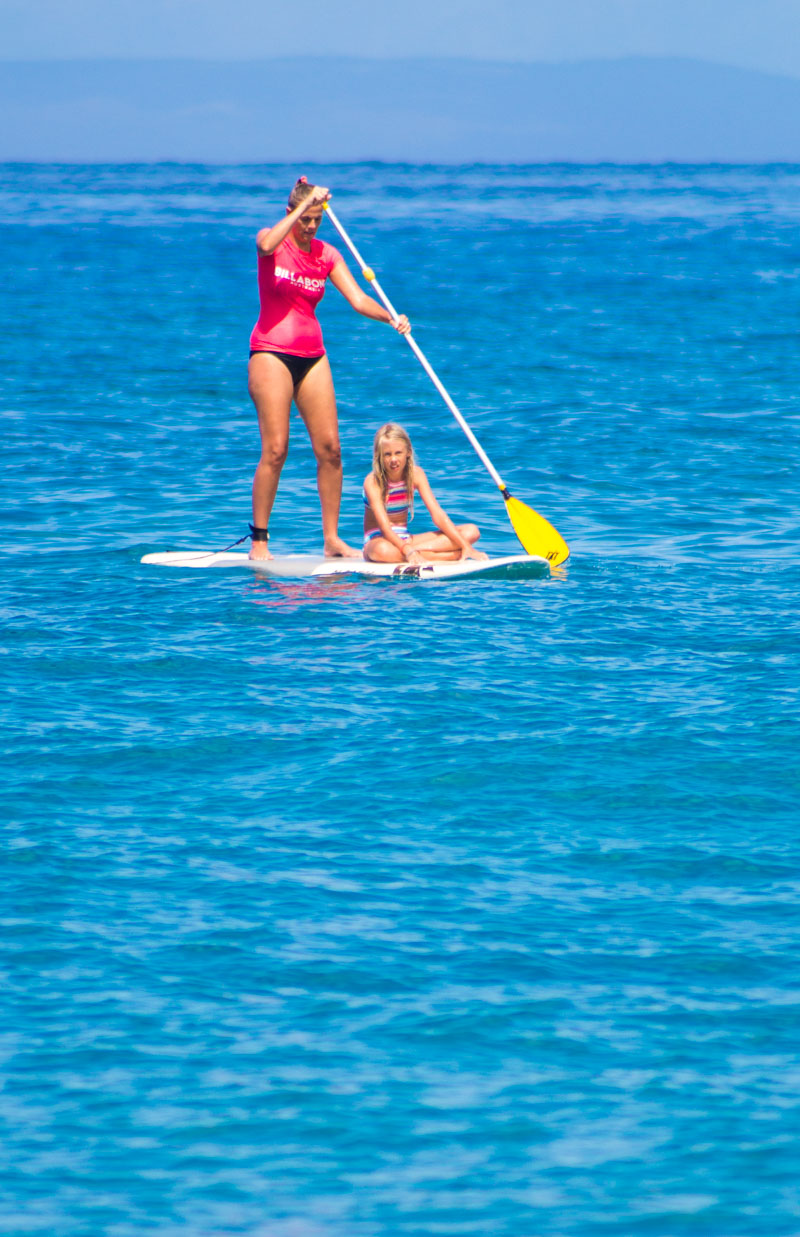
536,535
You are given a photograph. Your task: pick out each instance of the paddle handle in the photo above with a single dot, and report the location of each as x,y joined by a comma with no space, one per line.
369,275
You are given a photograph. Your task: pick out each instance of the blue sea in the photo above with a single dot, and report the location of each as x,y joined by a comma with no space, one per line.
361,908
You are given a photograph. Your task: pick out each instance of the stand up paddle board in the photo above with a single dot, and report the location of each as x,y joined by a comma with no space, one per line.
301,566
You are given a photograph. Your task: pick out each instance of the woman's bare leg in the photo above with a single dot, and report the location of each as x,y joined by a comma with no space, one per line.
270,385
316,401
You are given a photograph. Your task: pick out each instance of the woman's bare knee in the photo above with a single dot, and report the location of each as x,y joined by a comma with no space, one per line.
273,454
329,454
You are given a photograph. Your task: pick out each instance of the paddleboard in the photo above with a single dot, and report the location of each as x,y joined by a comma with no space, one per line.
301,566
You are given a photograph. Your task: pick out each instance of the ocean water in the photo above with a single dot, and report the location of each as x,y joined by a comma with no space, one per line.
379,909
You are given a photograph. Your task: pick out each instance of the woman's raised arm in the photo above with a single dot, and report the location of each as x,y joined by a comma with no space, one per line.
269,239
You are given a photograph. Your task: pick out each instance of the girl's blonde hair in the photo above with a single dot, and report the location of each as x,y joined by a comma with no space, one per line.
386,433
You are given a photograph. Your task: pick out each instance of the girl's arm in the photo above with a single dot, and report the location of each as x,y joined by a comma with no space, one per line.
373,493
269,239
440,517
344,282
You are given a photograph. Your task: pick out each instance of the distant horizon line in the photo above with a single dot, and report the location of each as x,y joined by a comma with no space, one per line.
644,164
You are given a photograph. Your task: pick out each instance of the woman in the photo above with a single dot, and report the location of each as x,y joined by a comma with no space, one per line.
288,361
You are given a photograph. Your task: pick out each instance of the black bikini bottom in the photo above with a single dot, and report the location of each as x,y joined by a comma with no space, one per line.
298,366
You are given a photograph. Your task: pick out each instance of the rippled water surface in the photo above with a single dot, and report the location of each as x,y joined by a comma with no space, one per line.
373,909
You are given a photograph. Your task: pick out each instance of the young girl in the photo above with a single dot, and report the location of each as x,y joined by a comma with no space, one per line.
389,505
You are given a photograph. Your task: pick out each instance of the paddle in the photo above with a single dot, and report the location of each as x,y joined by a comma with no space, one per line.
536,535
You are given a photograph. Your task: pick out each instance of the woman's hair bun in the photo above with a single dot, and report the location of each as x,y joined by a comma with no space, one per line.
300,191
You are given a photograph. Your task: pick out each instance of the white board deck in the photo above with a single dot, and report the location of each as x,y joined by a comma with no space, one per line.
301,566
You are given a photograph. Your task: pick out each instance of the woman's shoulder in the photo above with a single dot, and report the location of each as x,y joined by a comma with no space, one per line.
326,254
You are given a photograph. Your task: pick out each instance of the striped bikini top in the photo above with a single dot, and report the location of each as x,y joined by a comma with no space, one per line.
396,501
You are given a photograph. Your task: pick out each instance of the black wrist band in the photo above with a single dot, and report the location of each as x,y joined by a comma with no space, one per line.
258,534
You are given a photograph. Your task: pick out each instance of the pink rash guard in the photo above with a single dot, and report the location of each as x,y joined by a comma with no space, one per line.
291,283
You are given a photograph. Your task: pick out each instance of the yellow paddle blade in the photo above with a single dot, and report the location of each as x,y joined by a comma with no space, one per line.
536,535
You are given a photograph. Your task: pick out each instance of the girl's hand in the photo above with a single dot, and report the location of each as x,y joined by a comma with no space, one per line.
413,556
402,325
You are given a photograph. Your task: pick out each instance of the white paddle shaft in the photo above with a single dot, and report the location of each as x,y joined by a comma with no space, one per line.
369,275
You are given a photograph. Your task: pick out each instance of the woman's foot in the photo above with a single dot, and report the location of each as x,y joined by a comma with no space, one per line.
259,550
336,548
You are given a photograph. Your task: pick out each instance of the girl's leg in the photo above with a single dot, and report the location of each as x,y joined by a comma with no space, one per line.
379,550
270,385
316,401
437,547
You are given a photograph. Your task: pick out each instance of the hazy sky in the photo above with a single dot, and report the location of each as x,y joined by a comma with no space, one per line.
757,34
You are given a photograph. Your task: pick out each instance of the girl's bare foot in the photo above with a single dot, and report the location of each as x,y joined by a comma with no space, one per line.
336,548
259,550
